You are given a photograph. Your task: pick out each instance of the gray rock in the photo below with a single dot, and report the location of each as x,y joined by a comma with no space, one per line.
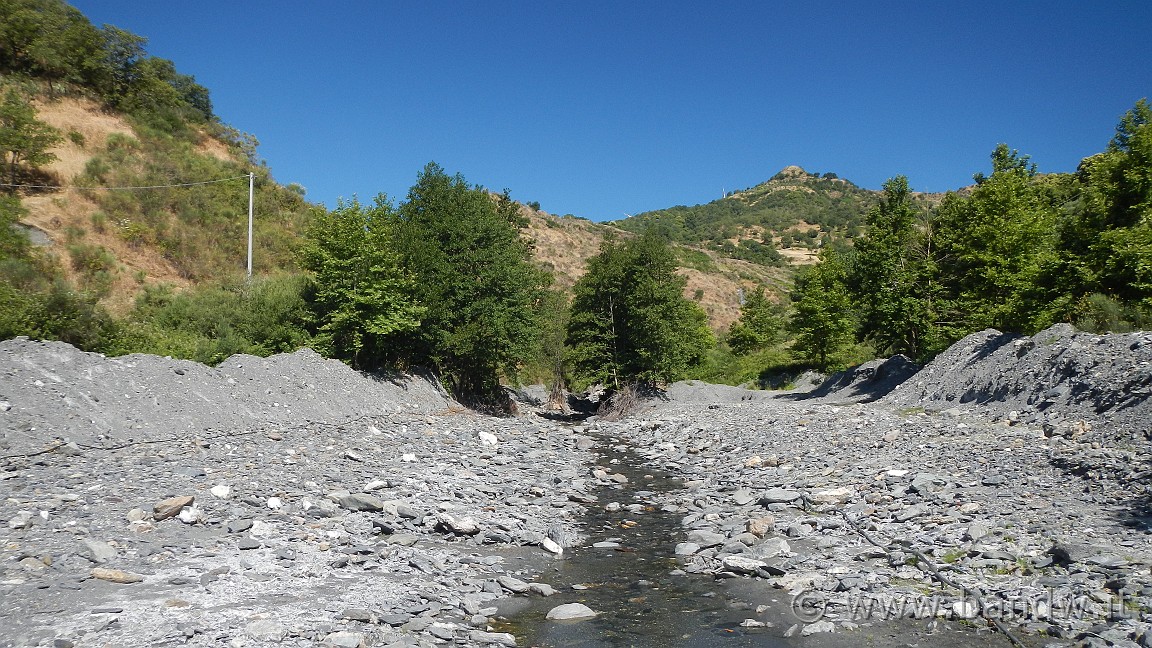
706,539
266,630
686,548
570,612
817,628
345,639
779,496
99,552
361,502
512,584
488,638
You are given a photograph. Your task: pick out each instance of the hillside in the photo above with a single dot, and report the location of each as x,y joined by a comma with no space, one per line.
784,220
564,244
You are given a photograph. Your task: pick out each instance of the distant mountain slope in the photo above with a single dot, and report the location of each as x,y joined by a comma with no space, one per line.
775,222
564,244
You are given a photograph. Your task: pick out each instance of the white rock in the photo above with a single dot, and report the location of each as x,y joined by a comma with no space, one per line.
375,485
487,438
819,626
190,515
220,490
344,640
23,520
965,609
275,503
408,457
570,612
550,545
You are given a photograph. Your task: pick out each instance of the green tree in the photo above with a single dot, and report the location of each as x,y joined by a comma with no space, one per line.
1106,245
630,322
24,140
994,247
889,275
758,326
822,312
473,273
360,296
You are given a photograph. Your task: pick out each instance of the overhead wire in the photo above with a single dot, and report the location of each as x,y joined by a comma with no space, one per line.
125,188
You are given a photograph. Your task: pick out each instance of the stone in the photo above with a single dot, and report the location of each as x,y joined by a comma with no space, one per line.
171,507
761,526
543,589
977,530
239,526
22,520
361,502
99,552
770,548
266,630
910,512
487,438
817,628
221,491
686,548
833,496
137,515
706,538
488,638
464,526
344,639
116,576
742,565
512,584
925,482
779,496
570,612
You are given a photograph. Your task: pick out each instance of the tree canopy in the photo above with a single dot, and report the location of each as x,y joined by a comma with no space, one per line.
630,322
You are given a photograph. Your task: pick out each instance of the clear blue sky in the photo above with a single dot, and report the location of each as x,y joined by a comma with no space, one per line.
604,108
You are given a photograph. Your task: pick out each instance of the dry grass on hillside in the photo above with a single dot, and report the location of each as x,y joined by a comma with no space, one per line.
563,245
68,214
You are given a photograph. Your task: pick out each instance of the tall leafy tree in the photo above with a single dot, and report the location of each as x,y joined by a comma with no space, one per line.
474,275
994,247
630,322
24,140
759,323
889,273
360,297
1107,244
822,311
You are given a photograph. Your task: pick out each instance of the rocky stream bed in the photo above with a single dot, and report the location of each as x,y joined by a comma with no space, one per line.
997,496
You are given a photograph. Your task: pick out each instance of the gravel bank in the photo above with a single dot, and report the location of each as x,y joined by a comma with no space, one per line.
1006,480
286,500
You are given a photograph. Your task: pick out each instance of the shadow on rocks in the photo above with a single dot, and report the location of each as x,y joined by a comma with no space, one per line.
863,383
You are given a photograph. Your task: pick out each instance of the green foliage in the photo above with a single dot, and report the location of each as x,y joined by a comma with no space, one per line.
760,323
49,40
773,206
822,313
474,275
96,266
359,296
24,140
1107,242
216,321
630,321
993,249
889,276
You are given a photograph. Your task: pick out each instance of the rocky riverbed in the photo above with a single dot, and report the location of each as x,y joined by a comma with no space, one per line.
291,500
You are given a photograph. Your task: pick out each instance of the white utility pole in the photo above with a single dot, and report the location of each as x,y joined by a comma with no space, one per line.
251,185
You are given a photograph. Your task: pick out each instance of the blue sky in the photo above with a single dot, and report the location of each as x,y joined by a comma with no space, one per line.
602,109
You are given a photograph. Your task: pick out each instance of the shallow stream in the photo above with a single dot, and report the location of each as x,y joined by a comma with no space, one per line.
642,599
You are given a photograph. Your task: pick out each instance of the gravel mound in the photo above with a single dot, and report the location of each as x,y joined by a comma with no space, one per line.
695,391
863,383
1058,377
50,391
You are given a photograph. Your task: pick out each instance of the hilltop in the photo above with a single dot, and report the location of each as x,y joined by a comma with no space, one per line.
783,220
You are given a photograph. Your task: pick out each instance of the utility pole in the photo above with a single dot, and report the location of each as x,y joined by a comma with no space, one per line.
251,186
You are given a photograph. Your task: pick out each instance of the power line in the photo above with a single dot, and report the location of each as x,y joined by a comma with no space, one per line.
165,186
